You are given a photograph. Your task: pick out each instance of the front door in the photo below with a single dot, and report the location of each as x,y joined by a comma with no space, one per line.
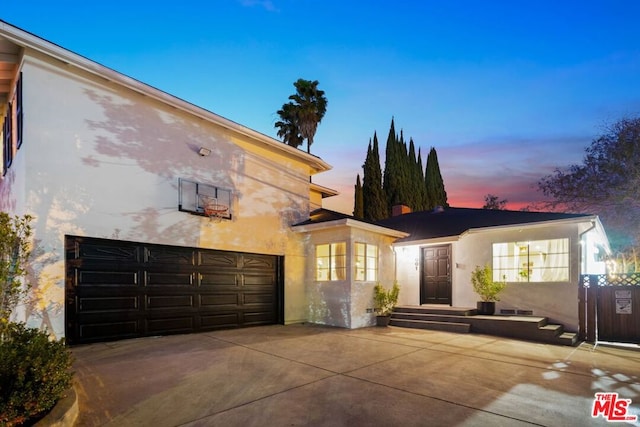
435,282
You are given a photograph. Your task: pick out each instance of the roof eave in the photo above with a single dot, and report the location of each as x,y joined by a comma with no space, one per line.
348,222
429,241
536,224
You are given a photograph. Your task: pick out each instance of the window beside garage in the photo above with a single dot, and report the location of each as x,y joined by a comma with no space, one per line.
532,261
331,261
12,127
7,140
366,262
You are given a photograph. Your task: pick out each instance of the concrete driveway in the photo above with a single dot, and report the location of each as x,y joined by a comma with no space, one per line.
302,375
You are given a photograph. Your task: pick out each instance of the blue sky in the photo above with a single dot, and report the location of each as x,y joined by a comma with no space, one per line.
505,91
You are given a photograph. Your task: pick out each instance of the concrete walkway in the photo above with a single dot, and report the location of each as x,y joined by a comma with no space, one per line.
315,376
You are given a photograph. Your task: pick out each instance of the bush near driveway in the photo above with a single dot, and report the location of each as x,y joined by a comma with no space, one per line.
34,374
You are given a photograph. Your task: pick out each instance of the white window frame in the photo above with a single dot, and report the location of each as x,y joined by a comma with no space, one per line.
331,261
365,256
536,261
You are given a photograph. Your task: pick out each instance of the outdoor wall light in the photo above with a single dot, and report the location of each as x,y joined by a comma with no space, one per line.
203,151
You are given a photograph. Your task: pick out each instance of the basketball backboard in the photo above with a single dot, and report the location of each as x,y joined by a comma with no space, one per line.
195,198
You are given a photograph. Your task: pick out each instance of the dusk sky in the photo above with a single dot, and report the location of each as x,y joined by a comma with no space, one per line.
506,91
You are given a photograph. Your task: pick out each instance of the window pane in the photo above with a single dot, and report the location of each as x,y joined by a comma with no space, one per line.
366,262
372,262
534,261
322,262
338,261
19,125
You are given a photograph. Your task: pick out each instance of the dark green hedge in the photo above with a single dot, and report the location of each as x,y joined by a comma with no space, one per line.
34,373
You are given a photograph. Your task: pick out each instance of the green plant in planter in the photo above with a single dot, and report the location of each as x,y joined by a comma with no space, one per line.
385,299
484,285
487,288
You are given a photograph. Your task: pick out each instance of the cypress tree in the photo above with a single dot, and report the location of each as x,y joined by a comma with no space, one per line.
434,183
405,191
374,203
392,182
422,188
416,179
358,202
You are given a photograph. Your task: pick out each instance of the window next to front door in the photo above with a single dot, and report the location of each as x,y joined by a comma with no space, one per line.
532,261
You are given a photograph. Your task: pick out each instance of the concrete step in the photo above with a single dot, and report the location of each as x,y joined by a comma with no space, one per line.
431,325
429,317
568,338
530,328
436,309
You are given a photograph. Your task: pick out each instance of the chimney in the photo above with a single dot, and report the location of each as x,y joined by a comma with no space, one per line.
398,210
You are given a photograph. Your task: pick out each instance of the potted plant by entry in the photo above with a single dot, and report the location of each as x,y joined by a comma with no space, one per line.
487,288
384,302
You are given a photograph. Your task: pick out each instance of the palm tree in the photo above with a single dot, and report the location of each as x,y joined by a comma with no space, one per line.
288,126
301,117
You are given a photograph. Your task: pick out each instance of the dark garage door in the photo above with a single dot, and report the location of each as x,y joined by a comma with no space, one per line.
118,289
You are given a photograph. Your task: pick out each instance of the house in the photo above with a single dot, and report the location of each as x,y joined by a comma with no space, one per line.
155,216
541,255
151,215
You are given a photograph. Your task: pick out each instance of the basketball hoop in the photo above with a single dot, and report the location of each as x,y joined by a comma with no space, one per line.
212,209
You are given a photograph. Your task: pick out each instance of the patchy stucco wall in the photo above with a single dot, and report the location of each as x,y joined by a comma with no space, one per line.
103,161
346,303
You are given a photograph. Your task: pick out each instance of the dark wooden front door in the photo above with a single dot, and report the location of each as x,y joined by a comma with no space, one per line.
119,289
435,283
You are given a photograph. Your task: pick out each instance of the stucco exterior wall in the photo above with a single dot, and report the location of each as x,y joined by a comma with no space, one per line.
103,161
408,275
346,303
557,301
362,291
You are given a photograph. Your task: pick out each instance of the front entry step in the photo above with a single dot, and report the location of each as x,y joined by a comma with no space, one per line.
465,320
433,325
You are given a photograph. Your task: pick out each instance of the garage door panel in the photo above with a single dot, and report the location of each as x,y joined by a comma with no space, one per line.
169,256
217,259
169,302
127,289
104,251
263,280
254,261
255,298
106,278
170,279
219,320
106,331
219,299
216,279
102,304
167,325
257,317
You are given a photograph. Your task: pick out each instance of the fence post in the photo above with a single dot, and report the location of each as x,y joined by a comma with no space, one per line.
591,308
582,301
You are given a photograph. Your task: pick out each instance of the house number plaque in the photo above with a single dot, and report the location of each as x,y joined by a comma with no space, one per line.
623,302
